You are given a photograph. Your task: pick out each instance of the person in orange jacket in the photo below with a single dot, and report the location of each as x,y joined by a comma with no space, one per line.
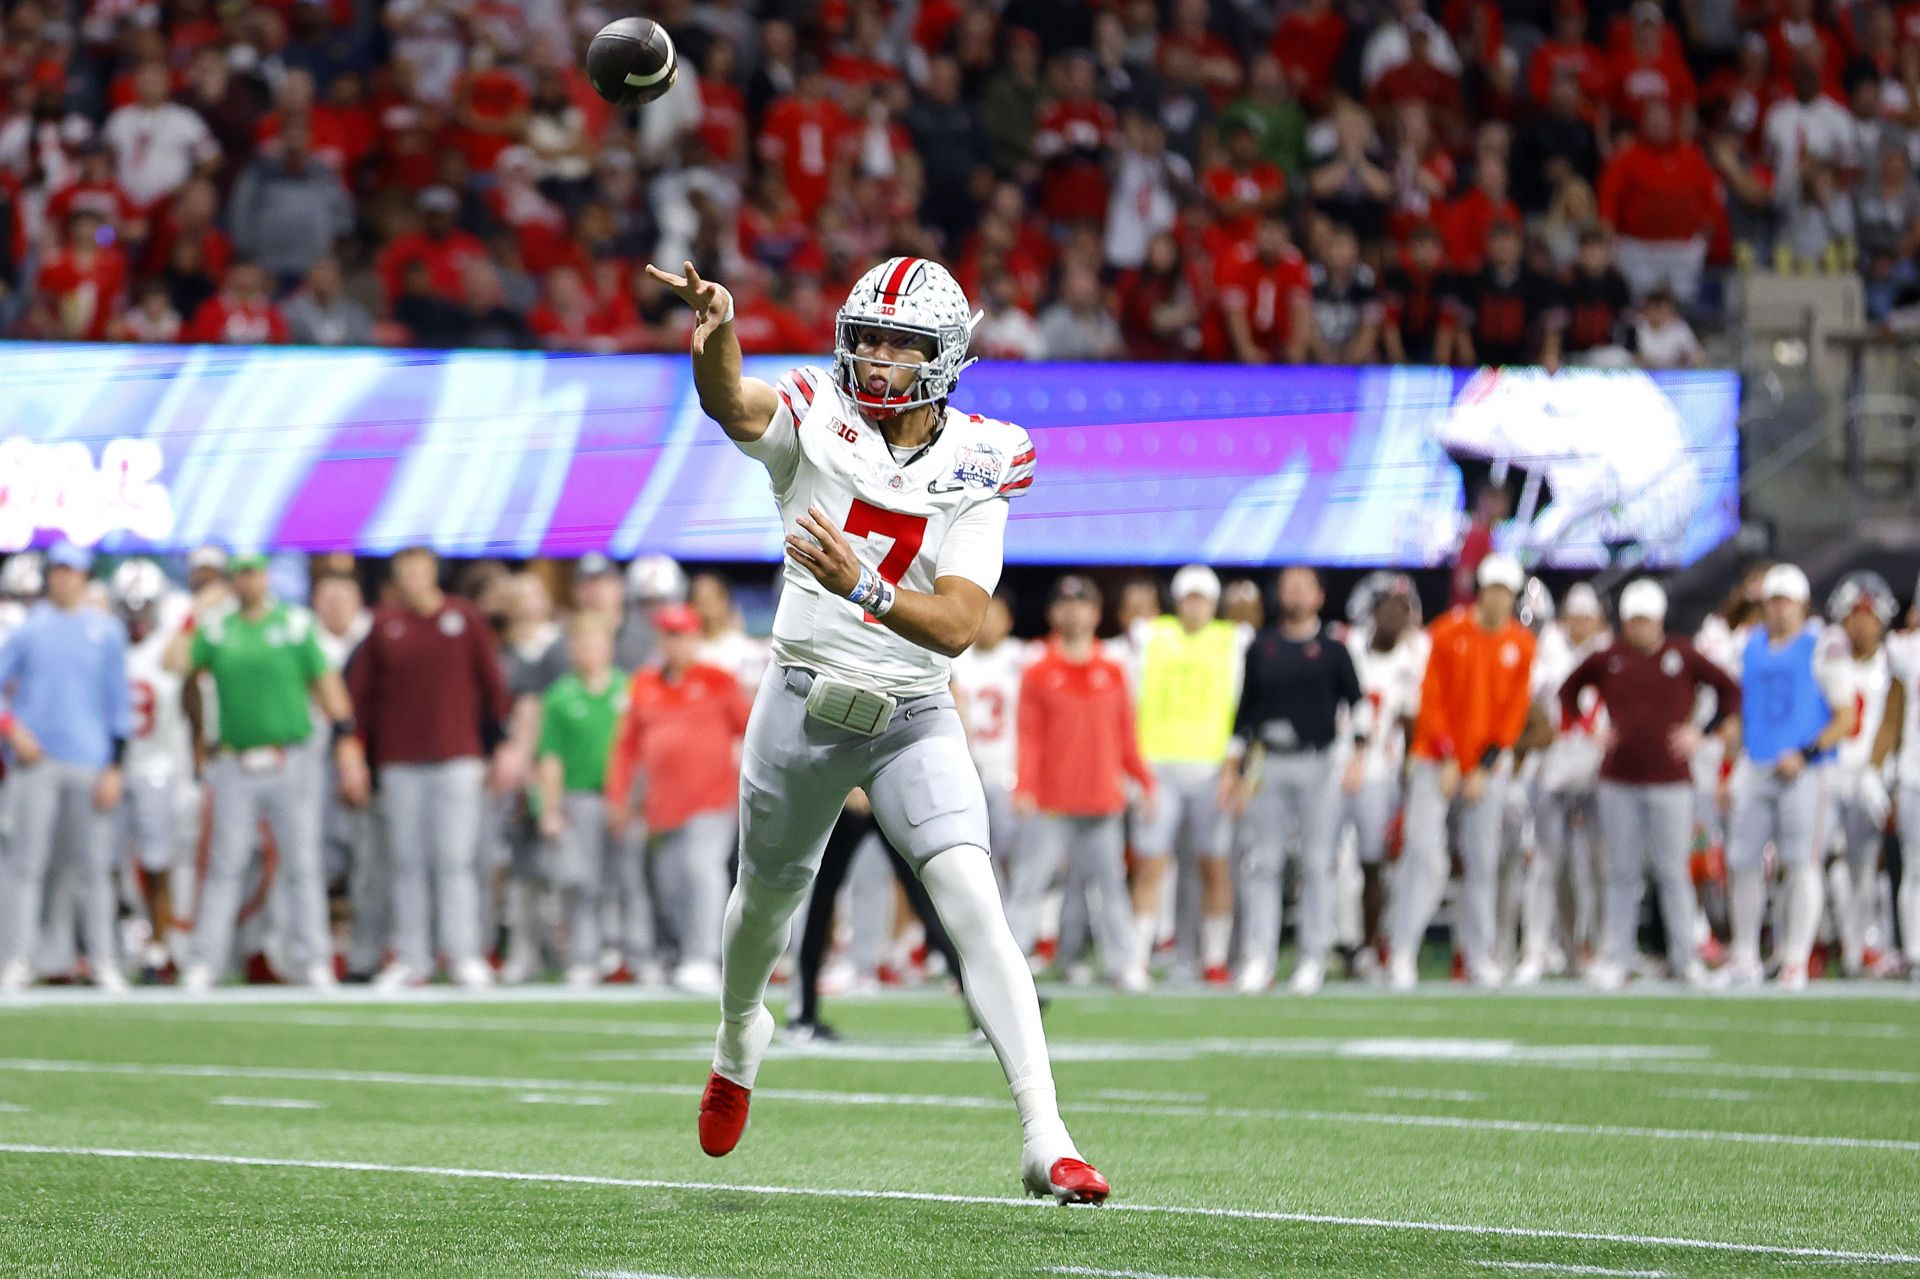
1473,706
1077,747
680,740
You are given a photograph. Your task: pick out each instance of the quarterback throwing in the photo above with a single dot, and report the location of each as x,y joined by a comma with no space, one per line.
895,508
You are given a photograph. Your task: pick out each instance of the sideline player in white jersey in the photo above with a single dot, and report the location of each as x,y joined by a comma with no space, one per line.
1566,821
159,808
1861,608
1900,726
893,505
987,680
1390,656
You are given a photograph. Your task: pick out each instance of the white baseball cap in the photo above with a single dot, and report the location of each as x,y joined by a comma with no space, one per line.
1643,598
1581,601
1197,579
1501,569
1786,581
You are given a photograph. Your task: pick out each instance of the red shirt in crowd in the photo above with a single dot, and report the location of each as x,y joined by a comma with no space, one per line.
1266,291
803,139
1585,62
1307,44
1659,193
1242,194
224,318
679,735
1464,224
1647,696
83,290
445,259
723,120
107,199
493,98
1663,77
1077,737
424,684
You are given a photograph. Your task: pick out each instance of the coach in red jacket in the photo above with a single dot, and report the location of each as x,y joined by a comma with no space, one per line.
1077,748
429,695
1649,684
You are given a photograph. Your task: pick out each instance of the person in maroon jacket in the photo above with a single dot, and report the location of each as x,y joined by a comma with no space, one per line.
1649,684
429,695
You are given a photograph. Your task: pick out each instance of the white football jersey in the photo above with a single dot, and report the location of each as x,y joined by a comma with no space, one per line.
1572,760
740,654
938,513
1869,681
989,684
162,745
1903,664
1391,683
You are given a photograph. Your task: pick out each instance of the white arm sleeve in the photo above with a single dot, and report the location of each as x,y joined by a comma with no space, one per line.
1833,669
974,546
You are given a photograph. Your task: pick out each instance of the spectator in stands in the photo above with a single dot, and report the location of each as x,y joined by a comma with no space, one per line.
1079,326
1658,193
287,209
95,187
1886,210
1415,295
1504,313
1159,308
1243,187
1391,44
321,314
1662,338
950,135
437,244
1264,298
150,319
157,144
1010,105
1007,330
1598,307
1573,212
1816,216
1808,125
1566,51
1148,184
80,286
1346,307
243,312
1349,183
1307,47
1184,104
1555,145
1467,221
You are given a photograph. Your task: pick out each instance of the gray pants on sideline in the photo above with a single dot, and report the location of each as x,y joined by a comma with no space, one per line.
1293,811
1423,864
1565,848
1187,825
1003,827
1093,849
432,813
579,872
1649,829
369,884
285,797
52,807
693,859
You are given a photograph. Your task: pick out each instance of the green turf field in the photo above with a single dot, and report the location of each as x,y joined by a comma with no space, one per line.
1352,1135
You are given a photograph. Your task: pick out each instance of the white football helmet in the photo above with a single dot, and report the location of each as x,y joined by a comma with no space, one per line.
1377,586
657,579
137,586
913,295
23,576
1862,590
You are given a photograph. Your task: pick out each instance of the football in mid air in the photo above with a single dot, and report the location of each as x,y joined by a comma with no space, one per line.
632,61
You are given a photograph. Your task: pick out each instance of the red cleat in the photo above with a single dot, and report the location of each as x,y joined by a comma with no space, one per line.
723,1116
1219,975
1071,1181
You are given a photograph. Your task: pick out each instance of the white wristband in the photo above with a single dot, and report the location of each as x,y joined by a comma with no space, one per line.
727,316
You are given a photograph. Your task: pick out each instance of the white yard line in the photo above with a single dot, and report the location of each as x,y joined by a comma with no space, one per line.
1709,1094
1556,1268
269,1103
1110,1274
1424,1094
963,1102
9,1108
916,1196
1128,1094
551,1099
626,1274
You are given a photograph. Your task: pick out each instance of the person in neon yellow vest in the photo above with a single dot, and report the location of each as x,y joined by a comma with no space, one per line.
1190,667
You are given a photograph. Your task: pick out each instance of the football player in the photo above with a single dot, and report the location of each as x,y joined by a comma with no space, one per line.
895,510
986,679
1860,608
159,806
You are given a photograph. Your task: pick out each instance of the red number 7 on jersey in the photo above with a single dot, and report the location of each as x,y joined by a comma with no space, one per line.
907,531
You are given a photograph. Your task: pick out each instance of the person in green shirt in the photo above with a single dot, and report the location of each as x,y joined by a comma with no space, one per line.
1275,118
265,661
579,715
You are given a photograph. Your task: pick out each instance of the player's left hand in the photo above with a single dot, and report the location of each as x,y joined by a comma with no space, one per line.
824,551
107,790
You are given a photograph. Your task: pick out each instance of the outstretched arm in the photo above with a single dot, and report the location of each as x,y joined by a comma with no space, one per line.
743,406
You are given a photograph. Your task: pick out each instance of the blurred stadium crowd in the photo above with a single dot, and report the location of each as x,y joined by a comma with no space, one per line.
188,790
1329,180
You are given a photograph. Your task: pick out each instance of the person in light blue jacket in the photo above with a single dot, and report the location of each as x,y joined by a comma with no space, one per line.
1794,710
70,715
